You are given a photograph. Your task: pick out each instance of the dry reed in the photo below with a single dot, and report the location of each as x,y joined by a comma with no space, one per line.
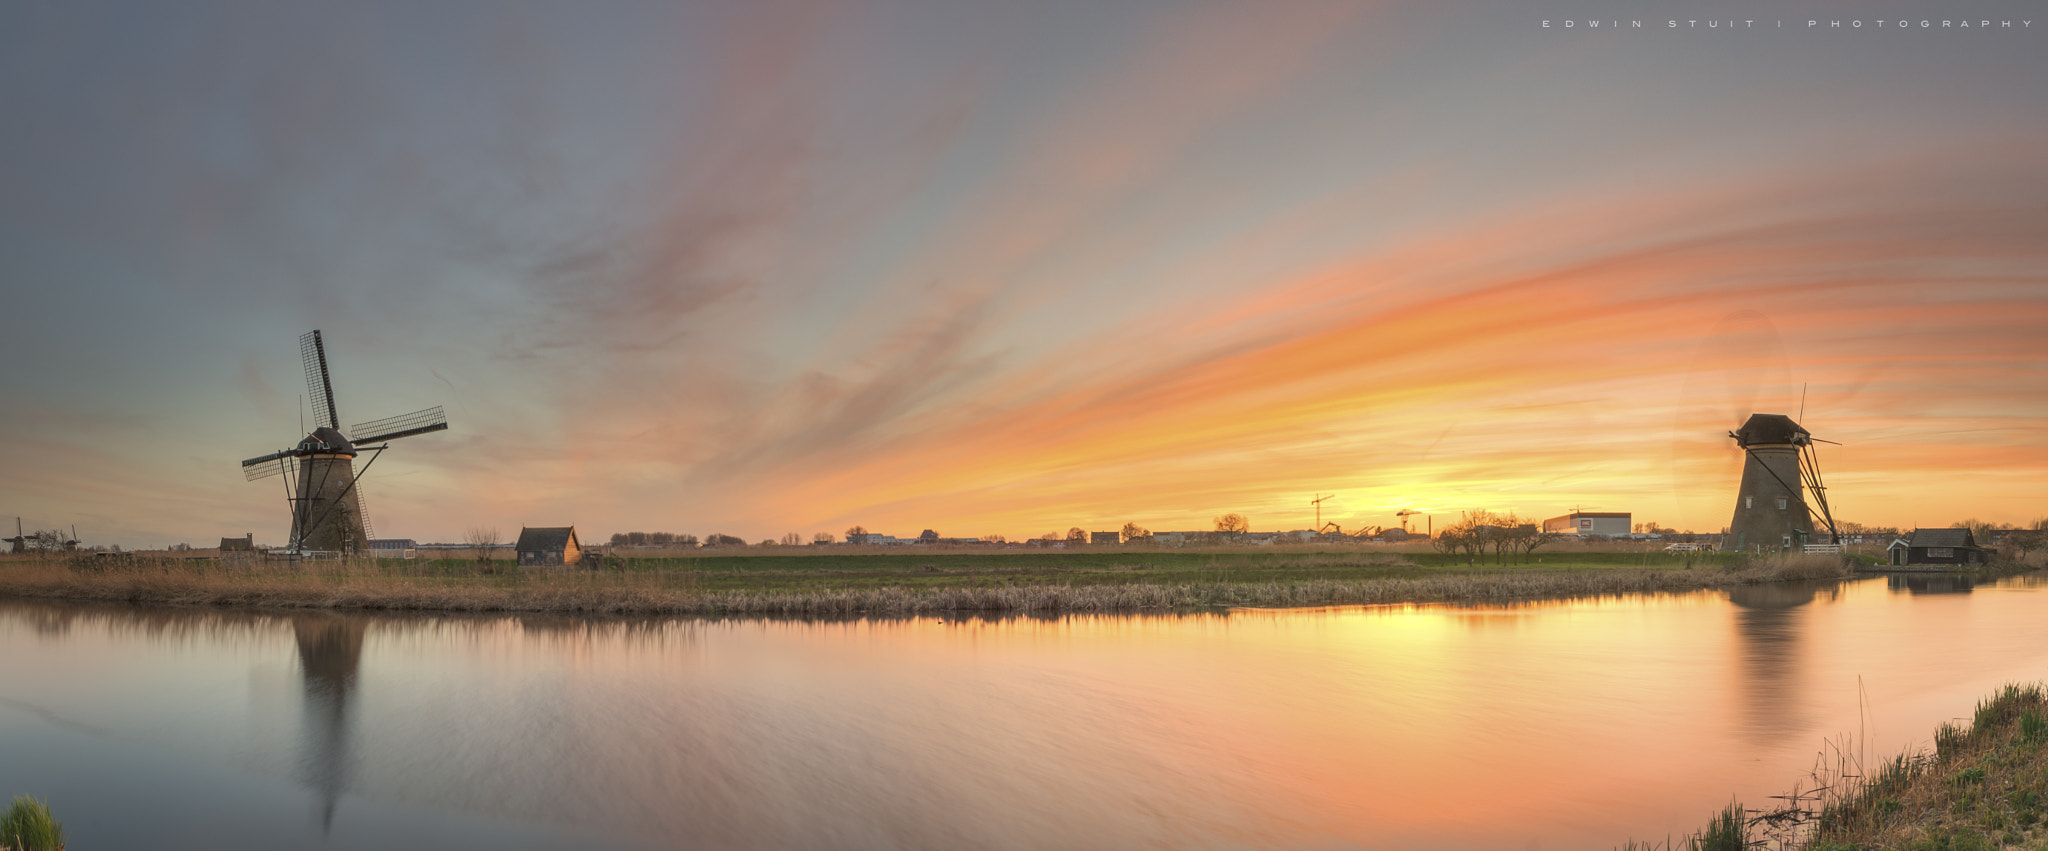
366,586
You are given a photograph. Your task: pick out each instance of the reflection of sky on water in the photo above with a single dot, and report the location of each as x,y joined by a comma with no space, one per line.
1573,723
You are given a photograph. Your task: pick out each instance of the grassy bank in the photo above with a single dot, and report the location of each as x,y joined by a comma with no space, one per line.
913,585
1984,787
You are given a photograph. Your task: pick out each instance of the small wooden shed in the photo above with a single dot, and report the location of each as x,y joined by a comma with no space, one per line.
548,545
1940,546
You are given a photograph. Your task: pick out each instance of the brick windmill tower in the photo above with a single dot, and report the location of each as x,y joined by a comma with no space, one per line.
1779,471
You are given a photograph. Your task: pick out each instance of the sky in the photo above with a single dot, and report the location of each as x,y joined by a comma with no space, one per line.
754,268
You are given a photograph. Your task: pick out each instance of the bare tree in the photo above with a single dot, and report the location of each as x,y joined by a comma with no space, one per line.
995,539
1233,524
1449,541
2024,541
1471,535
482,540
792,540
1076,536
1511,535
1135,532
857,534
822,538
46,540
1524,538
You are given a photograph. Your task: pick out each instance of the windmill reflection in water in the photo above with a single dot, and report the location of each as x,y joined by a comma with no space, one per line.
330,651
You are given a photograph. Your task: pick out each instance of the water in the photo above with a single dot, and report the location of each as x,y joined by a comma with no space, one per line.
1556,725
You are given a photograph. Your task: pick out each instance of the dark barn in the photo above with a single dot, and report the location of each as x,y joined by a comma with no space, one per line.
1940,546
548,545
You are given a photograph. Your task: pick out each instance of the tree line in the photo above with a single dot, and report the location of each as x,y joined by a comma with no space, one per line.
1505,535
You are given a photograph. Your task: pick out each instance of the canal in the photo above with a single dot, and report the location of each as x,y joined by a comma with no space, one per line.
1571,724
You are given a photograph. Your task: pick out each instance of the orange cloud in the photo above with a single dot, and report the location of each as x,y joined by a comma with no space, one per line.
1541,381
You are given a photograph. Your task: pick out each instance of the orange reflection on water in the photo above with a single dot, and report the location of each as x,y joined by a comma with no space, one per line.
1561,725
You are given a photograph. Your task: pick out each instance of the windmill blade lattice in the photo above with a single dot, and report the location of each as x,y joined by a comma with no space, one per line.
403,425
319,387
267,468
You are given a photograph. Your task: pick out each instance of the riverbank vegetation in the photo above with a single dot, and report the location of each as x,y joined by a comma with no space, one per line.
1983,787
892,585
28,826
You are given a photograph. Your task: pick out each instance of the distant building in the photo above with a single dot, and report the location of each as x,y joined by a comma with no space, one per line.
391,547
1939,546
245,544
1615,523
1108,538
548,545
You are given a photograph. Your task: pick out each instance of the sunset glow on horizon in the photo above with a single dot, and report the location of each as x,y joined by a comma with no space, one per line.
768,268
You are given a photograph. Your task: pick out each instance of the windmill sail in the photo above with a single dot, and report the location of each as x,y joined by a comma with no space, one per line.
321,388
403,425
263,468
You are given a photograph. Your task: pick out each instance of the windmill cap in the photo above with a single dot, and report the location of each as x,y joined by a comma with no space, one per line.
1770,429
324,439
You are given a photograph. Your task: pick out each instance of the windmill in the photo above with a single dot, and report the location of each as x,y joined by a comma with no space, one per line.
1779,469
319,473
20,539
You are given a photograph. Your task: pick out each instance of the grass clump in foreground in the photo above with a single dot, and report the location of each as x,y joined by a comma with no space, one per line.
1728,831
28,826
994,585
1983,787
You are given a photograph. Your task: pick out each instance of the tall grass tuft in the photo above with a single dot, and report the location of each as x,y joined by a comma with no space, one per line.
1729,831
28,826
2032,726
1949,740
